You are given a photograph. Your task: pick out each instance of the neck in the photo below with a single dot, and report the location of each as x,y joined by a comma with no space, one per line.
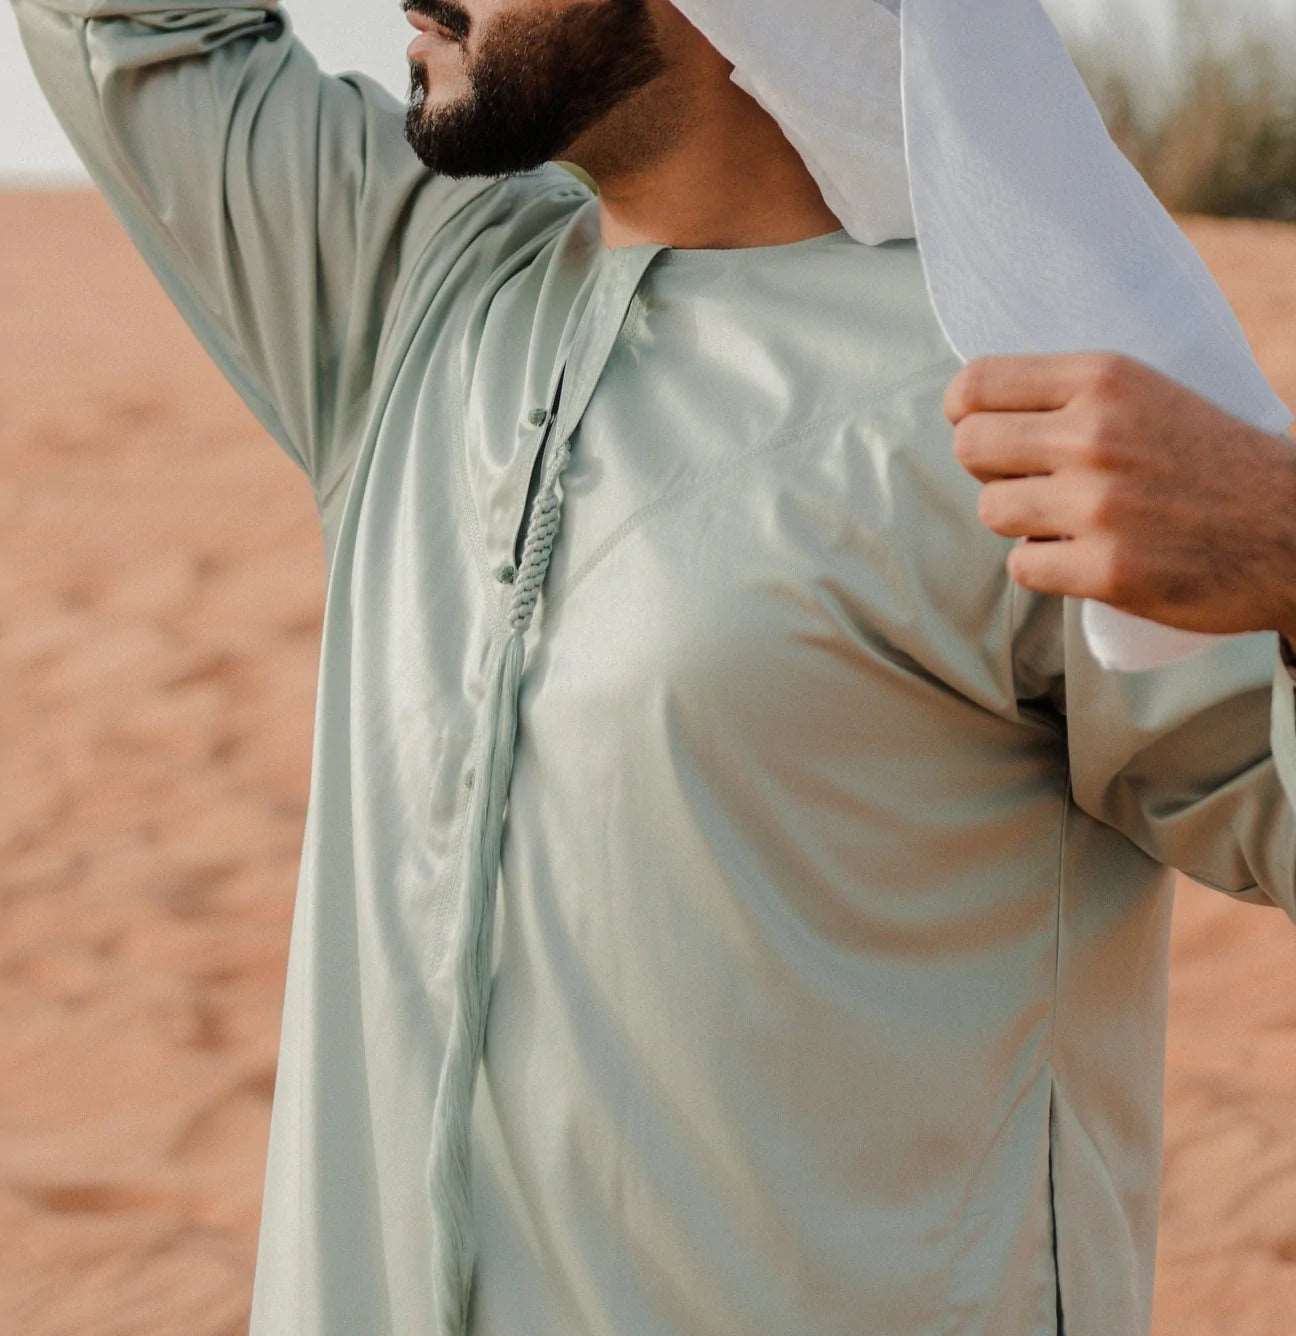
714,197
701,166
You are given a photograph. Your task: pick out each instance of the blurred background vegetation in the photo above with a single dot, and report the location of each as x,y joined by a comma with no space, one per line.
1199,94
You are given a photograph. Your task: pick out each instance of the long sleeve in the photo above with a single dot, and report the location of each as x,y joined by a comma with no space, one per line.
281,209
1195,763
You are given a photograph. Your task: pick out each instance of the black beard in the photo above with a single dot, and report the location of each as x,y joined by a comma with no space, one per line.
538,82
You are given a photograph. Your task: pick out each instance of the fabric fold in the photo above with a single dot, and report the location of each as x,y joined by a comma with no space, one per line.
970,128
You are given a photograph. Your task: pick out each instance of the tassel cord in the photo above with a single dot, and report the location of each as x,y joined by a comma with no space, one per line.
449,1171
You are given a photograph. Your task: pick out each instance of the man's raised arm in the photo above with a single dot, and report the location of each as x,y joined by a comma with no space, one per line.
282,209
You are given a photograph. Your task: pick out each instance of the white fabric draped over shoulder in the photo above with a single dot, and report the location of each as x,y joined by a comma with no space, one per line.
969,127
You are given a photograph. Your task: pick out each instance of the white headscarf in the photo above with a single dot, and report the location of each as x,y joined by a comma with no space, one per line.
965,123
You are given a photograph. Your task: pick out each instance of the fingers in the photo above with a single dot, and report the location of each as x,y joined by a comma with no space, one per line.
1033,384
1093,567
1038,507
1064,567
1007,445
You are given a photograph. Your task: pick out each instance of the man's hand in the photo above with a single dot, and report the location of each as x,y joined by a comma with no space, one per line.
1160,503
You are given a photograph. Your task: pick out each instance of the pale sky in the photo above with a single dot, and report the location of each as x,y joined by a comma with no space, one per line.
343,34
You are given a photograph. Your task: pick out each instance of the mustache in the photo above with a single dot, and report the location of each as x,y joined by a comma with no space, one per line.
450,17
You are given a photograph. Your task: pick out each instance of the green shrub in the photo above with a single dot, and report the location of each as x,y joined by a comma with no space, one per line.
1226,143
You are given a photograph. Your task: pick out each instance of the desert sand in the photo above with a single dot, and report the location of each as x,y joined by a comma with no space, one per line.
161,593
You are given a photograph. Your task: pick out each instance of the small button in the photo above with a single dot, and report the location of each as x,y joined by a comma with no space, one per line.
506,573
537,417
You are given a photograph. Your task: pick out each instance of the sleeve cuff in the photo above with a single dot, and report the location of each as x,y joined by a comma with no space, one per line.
1283,716
1288,657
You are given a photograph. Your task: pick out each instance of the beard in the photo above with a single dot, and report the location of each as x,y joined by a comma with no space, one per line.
538,81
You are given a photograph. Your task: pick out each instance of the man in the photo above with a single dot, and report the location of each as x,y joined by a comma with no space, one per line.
829,984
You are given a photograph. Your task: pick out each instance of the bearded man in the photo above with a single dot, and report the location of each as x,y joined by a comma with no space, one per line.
828,990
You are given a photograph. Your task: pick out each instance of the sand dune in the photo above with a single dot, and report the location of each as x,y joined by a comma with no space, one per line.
161,586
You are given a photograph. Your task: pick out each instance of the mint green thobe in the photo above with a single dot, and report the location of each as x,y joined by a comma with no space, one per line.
831,950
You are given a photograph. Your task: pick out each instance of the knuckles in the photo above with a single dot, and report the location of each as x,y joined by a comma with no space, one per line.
1110,377
1115,574
1100,509
1101,439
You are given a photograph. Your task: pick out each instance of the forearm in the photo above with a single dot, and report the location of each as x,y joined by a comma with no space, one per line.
99,65
269,199
160,104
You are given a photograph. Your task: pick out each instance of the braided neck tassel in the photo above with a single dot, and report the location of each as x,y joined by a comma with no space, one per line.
450,1160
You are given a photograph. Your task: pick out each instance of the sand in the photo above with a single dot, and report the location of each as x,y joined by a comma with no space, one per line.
161,591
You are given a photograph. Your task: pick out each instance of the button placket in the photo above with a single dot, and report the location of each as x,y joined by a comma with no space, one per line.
507,572
449,1158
